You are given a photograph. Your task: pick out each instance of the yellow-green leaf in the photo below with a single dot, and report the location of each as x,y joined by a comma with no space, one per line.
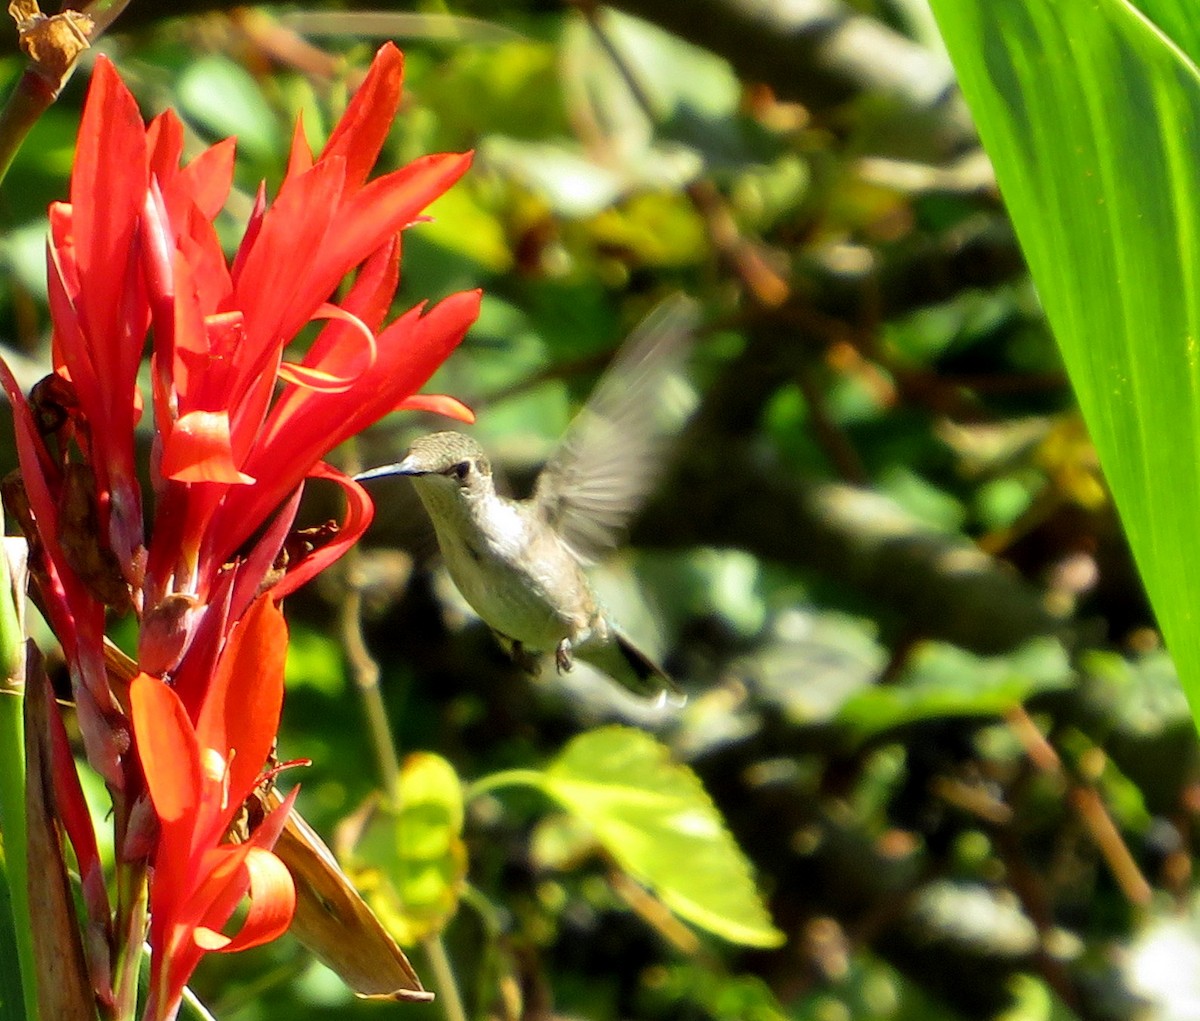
410,863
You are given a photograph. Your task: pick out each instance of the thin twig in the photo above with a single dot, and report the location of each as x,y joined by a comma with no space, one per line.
1088,805
365,672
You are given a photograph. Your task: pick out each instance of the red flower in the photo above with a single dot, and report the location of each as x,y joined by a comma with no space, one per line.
199,773
232,458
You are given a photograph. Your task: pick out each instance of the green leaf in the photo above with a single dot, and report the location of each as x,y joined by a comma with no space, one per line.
314,660
945,681
653,816
1090,116
227,100
12,1003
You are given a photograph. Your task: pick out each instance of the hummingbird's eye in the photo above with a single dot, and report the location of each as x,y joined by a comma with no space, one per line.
462,470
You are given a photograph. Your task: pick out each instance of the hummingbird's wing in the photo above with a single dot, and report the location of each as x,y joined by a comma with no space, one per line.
611,455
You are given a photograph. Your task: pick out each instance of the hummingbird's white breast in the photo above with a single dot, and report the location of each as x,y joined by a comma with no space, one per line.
513,570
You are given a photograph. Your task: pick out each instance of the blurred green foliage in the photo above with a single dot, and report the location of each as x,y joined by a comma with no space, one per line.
882,562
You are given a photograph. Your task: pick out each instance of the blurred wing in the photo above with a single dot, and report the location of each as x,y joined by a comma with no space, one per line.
613,450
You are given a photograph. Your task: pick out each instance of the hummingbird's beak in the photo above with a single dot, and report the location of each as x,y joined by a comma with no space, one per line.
408,466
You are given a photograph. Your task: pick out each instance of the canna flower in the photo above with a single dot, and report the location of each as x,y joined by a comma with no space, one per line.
199,773
240,427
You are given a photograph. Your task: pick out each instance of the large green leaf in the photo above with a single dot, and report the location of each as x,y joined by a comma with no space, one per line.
1091,117
653,816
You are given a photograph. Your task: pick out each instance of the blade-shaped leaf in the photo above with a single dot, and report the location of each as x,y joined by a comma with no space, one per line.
1091,116
653,816
63,986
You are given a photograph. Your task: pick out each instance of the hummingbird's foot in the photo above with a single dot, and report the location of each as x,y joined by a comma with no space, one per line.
525,659
562,656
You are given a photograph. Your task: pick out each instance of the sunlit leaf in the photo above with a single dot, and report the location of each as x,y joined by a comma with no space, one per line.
656,820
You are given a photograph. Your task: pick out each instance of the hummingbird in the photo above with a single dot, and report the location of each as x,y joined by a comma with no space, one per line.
520,564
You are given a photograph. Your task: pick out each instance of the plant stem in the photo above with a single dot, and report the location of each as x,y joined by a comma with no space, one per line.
444,979
30,98
130,931
366,678
365,672
12,827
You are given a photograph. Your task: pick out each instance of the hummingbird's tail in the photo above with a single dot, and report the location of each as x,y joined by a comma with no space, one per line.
625,663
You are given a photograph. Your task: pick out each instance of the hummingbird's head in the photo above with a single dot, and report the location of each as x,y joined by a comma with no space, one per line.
445,455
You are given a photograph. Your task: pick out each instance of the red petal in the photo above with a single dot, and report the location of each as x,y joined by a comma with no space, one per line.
71,353
198,450
312,376
73,810
363,128
303,426
240,715
383,207
108,184
255,566
375,286
164,143
369,300
167,748
210,176
192,677
228,876
410,349
62,587
272,902
300,159
273,287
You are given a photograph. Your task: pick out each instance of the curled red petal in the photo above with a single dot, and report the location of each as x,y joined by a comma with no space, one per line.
359,512
226,879
303,426
272,902
310,375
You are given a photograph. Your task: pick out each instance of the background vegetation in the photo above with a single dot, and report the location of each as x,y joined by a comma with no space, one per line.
926,691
